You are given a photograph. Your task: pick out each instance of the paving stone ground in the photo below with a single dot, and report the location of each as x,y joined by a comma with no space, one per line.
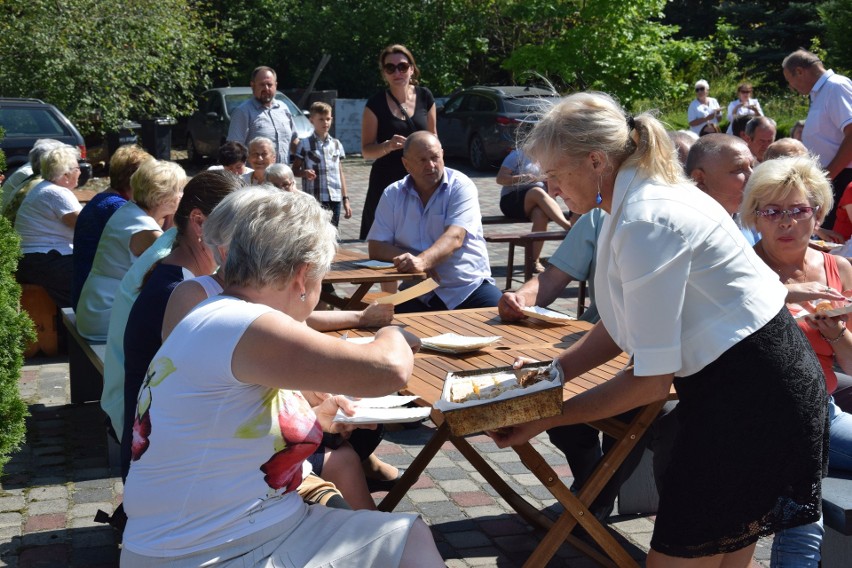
53,486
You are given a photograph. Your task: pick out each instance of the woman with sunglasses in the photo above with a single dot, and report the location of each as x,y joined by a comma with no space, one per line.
703,110
389,117
786,199
744,105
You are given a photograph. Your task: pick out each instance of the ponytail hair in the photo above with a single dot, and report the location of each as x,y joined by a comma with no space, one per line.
593,122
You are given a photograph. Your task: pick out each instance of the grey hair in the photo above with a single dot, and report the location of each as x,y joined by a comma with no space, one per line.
41,147
774,180
759,122
785,147
279,172
710,147
702,83
286,230
59,161
593,122
800,58
156,182
232,211
261,140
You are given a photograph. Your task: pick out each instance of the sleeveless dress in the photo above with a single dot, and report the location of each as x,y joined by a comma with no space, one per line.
389,168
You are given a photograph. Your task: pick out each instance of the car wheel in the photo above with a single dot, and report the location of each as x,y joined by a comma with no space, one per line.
191,153
478,159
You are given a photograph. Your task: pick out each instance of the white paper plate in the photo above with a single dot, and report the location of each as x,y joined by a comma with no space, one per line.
828,313
384,415
389,401
375,264
454,343
544,314
361,340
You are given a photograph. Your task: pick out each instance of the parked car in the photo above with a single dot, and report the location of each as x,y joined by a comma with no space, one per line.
207,128
481,123
27,120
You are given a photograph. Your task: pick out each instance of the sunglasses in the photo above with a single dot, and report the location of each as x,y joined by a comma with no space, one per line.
402,67
746,92
700,89
795,213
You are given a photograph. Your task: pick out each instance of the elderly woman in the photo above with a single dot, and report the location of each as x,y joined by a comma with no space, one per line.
157,189
389,117
703,110
97,212
744,105
785,200
46,221
261,155
188,258
332,461
26,178
223,430
524,196
281,176
680,290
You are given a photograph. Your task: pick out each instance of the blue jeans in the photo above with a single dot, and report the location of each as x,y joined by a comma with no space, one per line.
486,296
797,547
840,438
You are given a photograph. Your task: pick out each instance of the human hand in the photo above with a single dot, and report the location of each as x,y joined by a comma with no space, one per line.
309,175
510,305
396,142
412,340
347,209
327,410
516,435
829,327
799,292
829,236
315,398
376,315
407,262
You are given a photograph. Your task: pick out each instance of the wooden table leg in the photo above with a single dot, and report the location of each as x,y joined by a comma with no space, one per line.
412,473
351,303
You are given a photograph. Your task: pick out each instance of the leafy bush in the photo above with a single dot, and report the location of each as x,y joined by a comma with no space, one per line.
16,330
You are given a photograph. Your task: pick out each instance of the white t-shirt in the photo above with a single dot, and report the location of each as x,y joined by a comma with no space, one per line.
112,261
677,284
215,459
741,111
39,220
697,109
830,112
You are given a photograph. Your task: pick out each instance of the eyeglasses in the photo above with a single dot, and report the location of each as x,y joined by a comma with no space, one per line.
402,67
746,92
795,213
700,89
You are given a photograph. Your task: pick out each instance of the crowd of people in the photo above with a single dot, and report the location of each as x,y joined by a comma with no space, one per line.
697,247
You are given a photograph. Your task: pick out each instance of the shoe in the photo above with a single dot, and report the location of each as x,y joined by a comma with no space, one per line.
384,484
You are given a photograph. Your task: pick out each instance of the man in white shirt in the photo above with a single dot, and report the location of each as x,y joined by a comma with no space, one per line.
828,127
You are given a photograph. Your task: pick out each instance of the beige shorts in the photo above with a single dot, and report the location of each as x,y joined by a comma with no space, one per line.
322,538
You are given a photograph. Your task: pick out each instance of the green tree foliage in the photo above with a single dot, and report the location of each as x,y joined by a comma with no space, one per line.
618,46
102,61
16,330
837,17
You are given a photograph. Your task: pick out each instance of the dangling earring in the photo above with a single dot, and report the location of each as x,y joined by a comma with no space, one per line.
598,198
302,296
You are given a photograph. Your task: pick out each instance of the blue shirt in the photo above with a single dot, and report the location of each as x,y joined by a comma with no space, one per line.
577,255
251,119
403,221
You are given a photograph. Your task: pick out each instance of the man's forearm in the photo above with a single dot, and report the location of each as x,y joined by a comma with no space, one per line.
843,157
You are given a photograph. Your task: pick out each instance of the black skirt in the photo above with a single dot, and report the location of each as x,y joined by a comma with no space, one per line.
752,446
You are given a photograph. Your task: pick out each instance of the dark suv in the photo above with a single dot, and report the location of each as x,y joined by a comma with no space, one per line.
27,120
481,123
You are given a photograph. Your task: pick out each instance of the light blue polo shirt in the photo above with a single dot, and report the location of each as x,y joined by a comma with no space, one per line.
402,220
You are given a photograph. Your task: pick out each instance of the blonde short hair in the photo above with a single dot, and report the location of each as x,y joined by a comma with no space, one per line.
59,161
774,180
124,163
157,181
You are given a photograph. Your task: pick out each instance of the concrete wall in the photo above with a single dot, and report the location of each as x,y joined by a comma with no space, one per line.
347,123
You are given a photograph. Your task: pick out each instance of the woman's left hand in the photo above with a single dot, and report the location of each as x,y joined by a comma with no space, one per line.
798,292
327,410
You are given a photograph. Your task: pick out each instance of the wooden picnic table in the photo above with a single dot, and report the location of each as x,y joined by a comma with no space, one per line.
344,269
540,341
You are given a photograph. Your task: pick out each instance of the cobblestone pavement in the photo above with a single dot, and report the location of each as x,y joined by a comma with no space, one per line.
54,485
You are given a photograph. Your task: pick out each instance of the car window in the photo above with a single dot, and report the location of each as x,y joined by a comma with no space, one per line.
38,122
471,103
453,104
291,106
529,105
233,101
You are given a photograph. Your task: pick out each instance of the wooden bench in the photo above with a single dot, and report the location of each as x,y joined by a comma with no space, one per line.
45,316
85,362
503,220
837,518
525,241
